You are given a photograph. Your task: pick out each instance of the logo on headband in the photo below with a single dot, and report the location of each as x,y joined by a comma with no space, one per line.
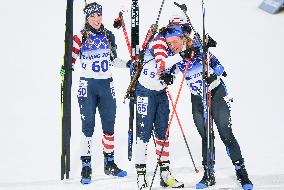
92,8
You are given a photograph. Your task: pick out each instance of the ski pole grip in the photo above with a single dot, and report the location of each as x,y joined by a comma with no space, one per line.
118,21
182,6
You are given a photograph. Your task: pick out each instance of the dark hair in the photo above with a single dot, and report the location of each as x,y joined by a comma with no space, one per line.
186,28
168,30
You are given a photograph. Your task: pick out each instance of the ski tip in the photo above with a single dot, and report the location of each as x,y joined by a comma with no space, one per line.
201,186
248,187
122,174
86,181
196,171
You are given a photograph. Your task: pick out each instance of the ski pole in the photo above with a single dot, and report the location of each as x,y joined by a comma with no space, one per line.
139,65
170,122
208,122
184,9
184,138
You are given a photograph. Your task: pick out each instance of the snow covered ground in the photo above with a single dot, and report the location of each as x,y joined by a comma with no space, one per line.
250,46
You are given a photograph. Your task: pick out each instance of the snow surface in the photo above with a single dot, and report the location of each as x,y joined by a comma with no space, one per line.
250,46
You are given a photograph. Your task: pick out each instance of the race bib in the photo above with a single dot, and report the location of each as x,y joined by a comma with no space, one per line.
142,105
97,61
96,64
194,78
83,88
196,86
194,82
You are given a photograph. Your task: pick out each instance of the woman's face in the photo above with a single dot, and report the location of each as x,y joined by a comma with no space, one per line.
175,43
95,21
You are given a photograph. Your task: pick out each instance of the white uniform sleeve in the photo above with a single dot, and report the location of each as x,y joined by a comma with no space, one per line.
172,60
119,63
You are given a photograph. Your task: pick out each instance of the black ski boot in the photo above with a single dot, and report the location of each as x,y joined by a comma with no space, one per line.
141,176
111,168
242,175
167,180
208,177
86,172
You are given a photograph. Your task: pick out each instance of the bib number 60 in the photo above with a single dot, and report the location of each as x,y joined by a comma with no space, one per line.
98,66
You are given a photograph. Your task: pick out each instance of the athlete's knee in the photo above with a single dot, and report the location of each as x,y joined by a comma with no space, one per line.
201,131
109,131
108,126
145,137
228,139
88,131
161,136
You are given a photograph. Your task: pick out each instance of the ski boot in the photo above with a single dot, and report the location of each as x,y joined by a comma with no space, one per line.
208,177
242,175
86,172
167,180
141,176
111,168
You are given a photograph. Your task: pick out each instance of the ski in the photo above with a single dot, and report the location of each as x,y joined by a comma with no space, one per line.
66,83
206,42
135,70
134,57
206,99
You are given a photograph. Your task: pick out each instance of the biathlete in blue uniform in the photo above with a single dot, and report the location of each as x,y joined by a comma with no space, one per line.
95,46
180,48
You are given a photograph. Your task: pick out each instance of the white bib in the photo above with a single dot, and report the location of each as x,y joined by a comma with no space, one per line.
148,77
96,64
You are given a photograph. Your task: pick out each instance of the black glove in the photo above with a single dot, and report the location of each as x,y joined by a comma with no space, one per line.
167,78
187,54
196,36
210,42
117,22
224,74
211,78
128,63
